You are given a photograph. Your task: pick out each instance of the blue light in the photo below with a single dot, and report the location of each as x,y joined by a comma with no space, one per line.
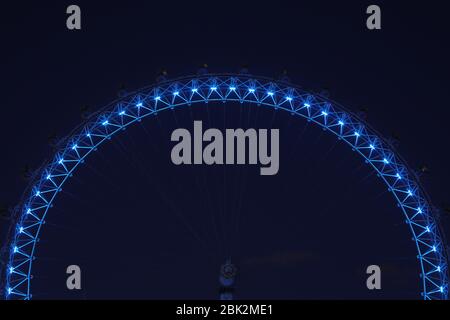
9,290
407,199
38,193
11,270
15,249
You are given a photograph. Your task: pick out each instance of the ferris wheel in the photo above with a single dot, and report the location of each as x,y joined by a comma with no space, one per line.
411,199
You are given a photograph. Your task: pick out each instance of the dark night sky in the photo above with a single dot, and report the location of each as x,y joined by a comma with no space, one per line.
400,74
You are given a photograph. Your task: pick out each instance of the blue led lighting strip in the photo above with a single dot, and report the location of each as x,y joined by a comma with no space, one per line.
411,199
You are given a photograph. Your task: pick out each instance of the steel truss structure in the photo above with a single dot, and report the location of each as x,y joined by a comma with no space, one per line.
115,117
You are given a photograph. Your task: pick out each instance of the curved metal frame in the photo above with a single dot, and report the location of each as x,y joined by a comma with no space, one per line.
332,117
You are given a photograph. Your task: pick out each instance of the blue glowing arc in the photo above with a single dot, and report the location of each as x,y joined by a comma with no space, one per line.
401,182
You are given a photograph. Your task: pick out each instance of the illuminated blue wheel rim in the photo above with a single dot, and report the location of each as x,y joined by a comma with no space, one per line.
400,181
